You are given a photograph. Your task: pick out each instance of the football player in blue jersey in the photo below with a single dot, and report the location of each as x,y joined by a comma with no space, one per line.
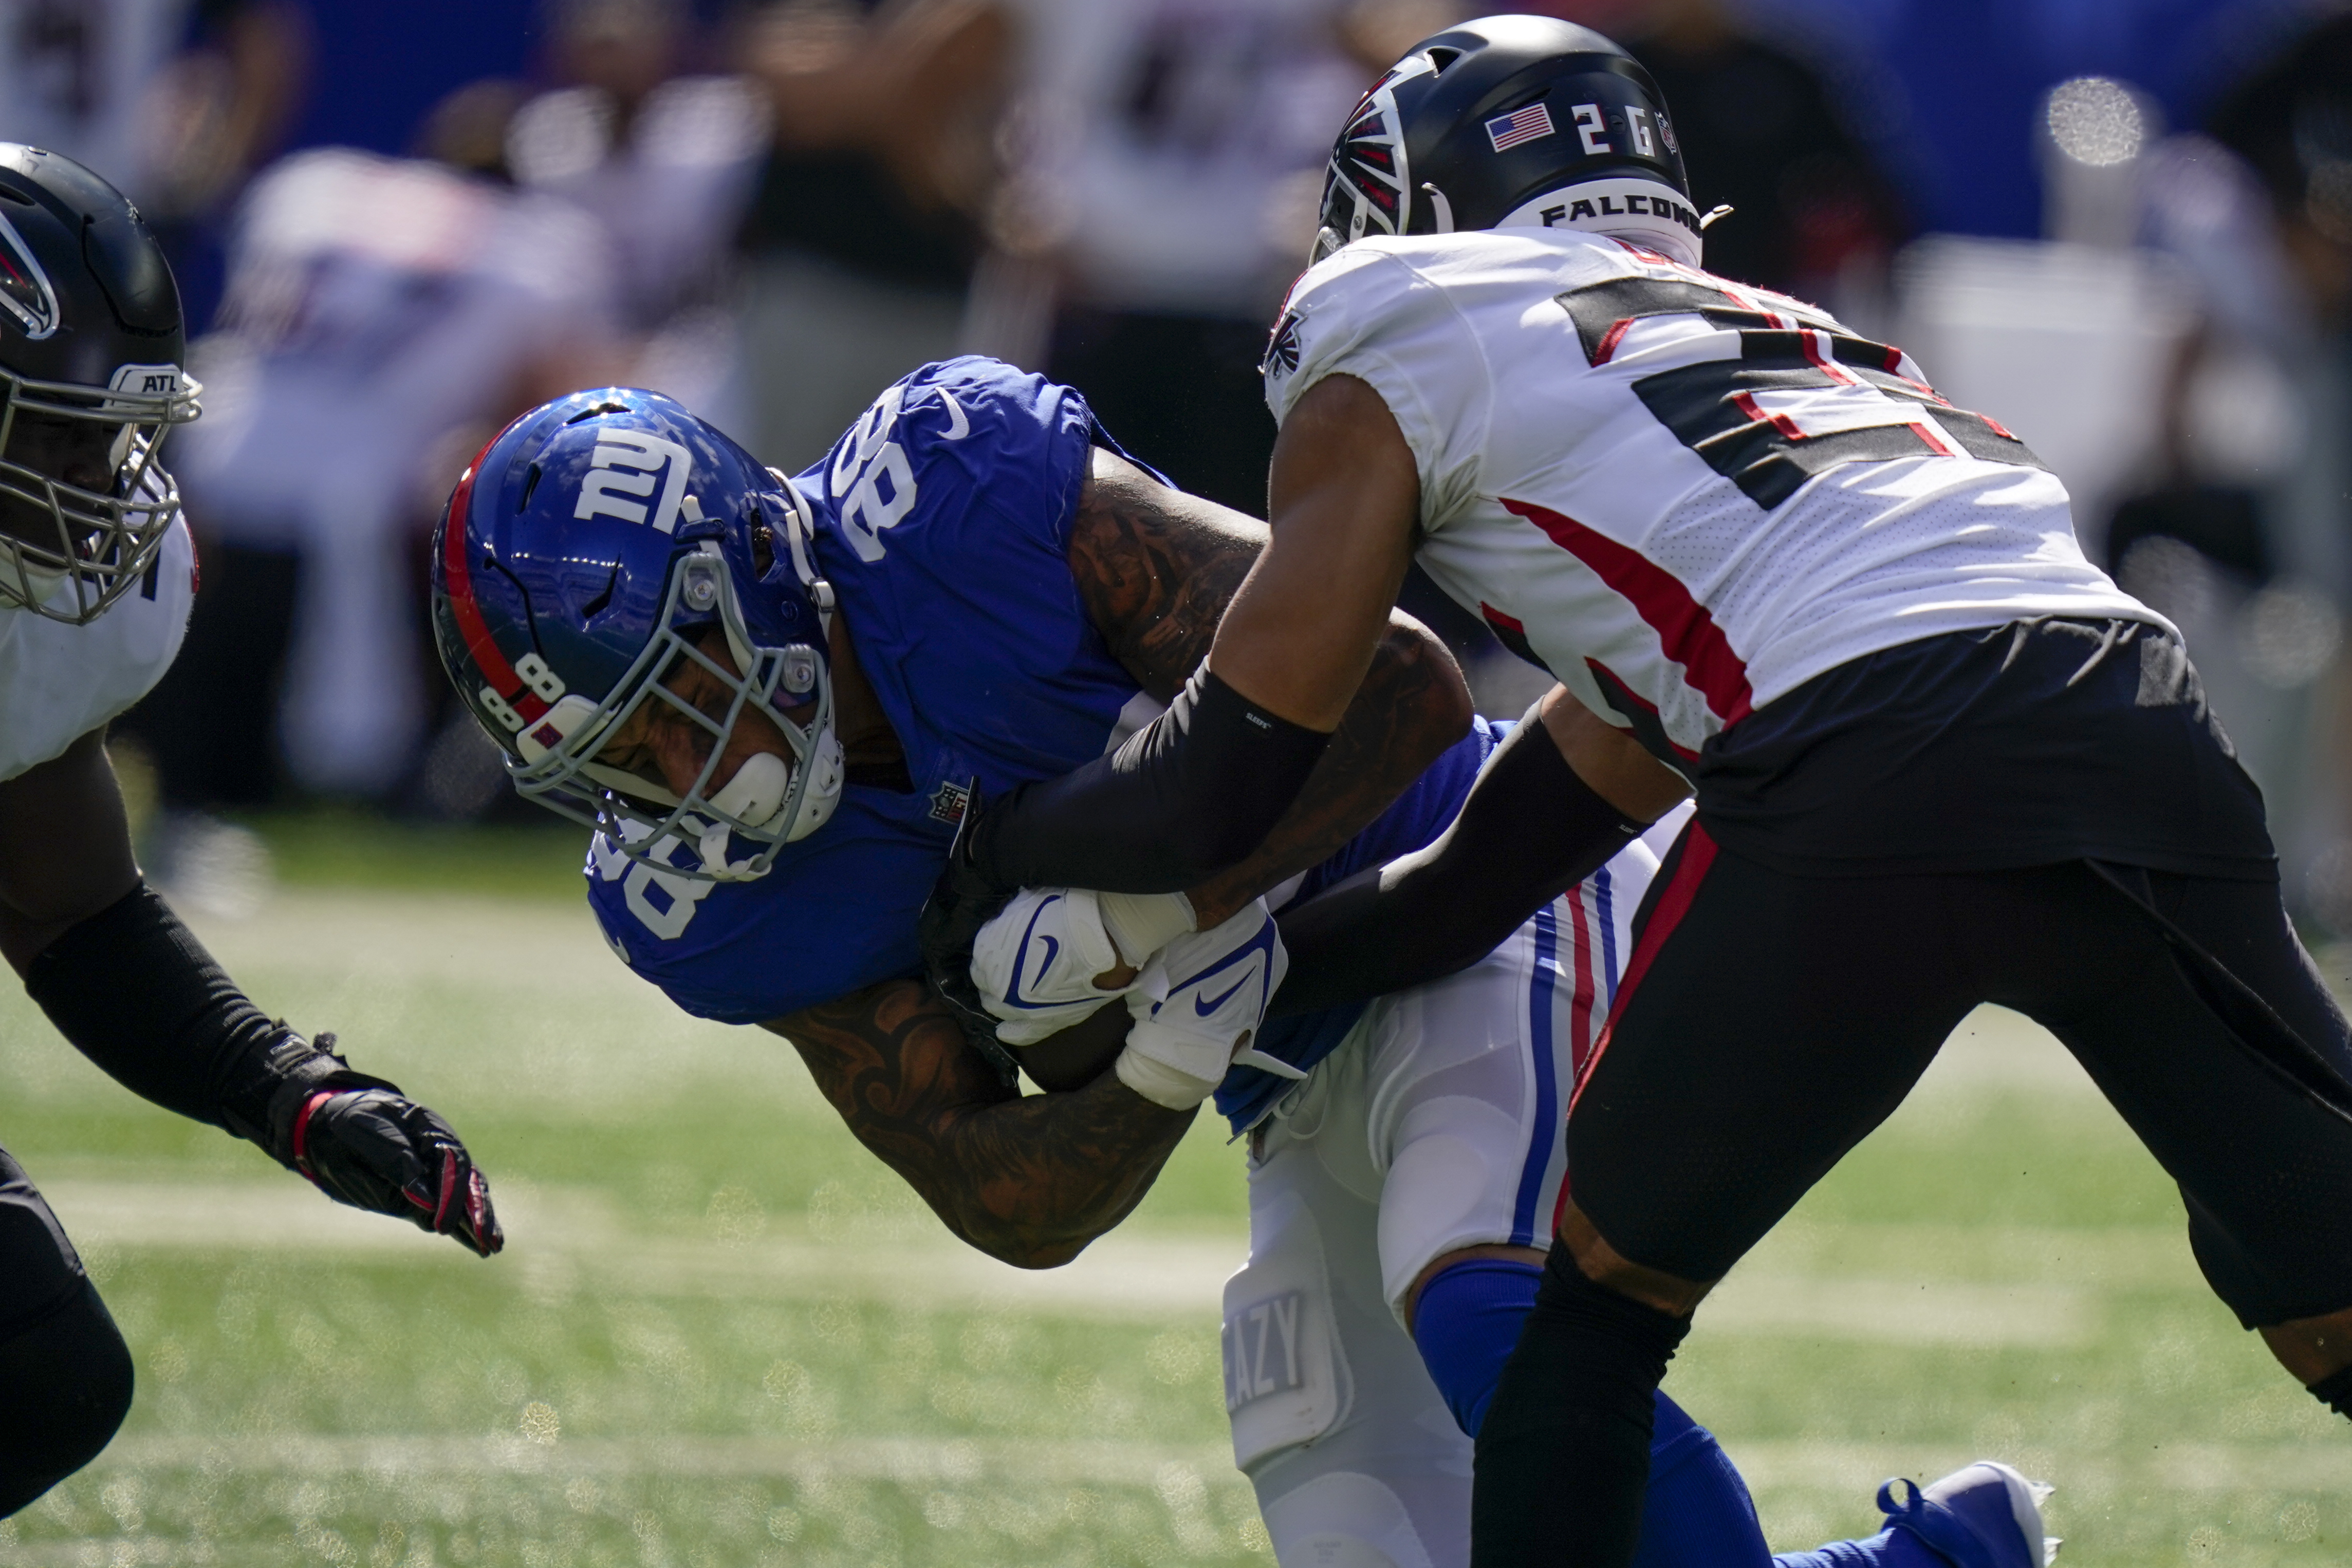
774,699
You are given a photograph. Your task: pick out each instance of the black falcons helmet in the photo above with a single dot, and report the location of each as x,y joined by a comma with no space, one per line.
1477,122
90,379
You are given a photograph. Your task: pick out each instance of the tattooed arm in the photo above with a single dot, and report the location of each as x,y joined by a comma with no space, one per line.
1030,1181
1157,568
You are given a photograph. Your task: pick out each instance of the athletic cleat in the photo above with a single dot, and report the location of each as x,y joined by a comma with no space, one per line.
1985,1516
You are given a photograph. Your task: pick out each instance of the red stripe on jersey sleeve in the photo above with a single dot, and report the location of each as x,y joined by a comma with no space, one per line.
1684,629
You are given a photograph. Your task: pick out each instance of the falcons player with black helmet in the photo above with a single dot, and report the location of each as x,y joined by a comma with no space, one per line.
1940,758
97,574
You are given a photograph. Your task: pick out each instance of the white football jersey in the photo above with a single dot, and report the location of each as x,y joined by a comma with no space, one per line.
1683,495
58,681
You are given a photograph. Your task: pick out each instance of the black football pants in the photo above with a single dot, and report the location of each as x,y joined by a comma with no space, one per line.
64,1372
1767,1023
1775,1019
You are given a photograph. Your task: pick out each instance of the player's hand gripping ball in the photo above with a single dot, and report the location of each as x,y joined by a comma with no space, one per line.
361,1141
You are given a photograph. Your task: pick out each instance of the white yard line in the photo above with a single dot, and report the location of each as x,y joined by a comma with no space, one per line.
1893,1311
399,936
566,1243
2325,1465
909,1461
561,1243
1802,1464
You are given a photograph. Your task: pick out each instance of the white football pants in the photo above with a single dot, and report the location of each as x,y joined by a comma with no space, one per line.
1437,1124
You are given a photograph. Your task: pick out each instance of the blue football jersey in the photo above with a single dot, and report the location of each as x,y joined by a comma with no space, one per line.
943,524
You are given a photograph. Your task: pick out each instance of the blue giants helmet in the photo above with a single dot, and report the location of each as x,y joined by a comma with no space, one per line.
594,544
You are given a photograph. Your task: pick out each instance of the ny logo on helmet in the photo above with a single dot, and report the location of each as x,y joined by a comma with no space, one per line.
644,456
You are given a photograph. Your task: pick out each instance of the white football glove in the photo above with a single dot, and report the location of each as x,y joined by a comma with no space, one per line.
1035,964
1198,1004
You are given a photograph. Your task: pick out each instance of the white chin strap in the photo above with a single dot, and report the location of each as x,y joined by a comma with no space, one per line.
1646,213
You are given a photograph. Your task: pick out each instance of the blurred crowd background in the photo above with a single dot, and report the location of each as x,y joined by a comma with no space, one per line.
2124,227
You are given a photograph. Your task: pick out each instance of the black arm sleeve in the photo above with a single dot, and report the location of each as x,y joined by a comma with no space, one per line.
1530,831
1191,795
133,989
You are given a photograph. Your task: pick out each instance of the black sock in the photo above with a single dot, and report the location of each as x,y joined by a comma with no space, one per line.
2335,1391
1564,1456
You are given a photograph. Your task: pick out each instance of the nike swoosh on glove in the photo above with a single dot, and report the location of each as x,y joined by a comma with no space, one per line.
1198,1004
1035,965
361,1141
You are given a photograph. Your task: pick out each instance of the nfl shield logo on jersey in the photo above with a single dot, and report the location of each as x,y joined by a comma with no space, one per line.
948,803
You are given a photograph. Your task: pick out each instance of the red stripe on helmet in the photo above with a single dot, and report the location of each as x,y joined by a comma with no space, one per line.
457,568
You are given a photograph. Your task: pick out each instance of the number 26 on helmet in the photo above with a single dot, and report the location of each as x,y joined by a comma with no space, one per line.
607,552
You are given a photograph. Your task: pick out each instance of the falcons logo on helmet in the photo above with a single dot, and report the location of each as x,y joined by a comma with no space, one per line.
1370,160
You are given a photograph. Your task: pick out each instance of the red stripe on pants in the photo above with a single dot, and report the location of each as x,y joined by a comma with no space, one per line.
1681,890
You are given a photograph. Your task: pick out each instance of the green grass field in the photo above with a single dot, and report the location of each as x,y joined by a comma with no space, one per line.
722,1335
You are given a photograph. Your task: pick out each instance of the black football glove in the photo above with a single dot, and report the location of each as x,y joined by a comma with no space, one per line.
961,902
361,1141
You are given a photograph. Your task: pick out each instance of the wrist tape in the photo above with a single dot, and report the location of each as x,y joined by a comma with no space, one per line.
1160,1083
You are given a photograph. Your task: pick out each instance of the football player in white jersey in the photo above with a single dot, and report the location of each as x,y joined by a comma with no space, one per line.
1940,758
96,577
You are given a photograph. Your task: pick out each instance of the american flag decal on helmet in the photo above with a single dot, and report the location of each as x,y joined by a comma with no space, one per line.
1508,130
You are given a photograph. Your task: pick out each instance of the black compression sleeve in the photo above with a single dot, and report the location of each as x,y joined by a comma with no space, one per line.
1191,795
1530,831
133,989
